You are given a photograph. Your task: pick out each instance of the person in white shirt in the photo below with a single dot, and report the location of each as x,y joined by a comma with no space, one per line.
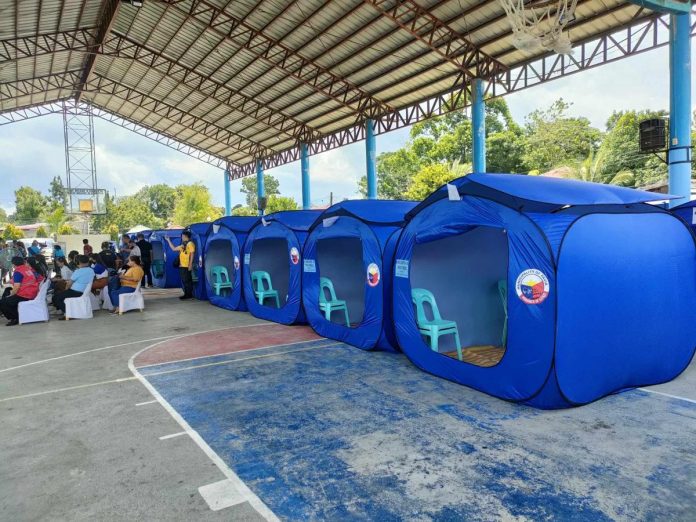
63,274
134,248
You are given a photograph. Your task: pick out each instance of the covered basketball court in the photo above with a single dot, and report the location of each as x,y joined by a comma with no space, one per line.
189,411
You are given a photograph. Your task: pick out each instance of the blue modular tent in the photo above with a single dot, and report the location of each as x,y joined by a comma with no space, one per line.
199,235
223,249
561,291
352,245
164,273
274,247
687,212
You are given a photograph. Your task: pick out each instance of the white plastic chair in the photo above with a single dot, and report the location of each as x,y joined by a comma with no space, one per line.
132,301
79,307
106,299
35,310
95,301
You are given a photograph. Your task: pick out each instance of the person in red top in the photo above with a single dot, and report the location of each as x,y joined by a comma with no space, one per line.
86,247
25,287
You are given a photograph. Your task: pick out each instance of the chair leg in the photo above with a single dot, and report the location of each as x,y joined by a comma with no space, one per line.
327,313
345,311
277,302
434,340
505,333
459,345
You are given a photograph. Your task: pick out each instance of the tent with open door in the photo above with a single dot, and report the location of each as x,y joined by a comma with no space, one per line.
272,266
164,273
199,235
222,255
545,291
348,251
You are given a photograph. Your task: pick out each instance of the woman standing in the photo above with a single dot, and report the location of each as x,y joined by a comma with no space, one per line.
186,250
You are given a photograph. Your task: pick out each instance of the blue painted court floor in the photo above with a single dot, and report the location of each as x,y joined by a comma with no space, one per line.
324,431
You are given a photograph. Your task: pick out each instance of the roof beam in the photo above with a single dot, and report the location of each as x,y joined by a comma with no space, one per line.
439,37
101,85
28,87
28,112
121,46
321,80
36,45
107,19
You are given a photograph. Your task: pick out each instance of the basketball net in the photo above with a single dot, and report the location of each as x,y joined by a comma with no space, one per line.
539,24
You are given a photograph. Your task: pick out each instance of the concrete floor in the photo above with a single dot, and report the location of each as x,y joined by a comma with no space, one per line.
316,429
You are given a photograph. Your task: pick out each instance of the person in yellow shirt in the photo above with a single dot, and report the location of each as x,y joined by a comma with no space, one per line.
128,281
186,250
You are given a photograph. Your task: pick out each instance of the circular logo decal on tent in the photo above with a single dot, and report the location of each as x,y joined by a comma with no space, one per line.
294,255
532,286
372,274
236,262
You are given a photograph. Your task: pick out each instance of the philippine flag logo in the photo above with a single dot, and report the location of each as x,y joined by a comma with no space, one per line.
372,274
294,255
532,286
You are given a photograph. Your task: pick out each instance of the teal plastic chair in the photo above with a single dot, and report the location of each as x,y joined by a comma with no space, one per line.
334,305
437,326
259,279
221,279
502,290
157,268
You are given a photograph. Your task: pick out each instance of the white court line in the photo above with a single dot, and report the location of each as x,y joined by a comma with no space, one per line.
123,379
238,483
179,434
145,403
692,401
175,370
127,344
230,353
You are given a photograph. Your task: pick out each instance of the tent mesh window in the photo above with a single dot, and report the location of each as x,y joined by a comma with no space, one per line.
272,255
340,259
219,254
463,273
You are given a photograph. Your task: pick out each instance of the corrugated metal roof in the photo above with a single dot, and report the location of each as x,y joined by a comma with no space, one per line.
250,78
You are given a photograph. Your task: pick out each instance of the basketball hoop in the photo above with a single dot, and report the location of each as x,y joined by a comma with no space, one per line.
538,25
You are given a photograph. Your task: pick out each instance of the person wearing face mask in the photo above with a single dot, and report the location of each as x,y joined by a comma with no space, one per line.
186,250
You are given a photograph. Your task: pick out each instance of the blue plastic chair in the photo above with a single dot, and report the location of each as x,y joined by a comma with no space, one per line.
502,290
437,326
258,279
157,268
334,305
221,279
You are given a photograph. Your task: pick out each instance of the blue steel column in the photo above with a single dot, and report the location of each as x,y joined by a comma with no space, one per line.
304,164
260,186
680,108
371,157
228,197
478,126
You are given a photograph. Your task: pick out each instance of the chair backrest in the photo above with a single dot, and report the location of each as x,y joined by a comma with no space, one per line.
420,296
502,291
43,290
86,291
220,274
258,278
326,284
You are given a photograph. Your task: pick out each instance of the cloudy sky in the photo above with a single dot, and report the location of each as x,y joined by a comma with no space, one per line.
33,151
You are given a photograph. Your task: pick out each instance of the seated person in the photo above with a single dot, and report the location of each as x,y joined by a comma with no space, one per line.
127,281
57,251
63,274
25,287
101,274
38,267
107,255
34,249
80,279
72,259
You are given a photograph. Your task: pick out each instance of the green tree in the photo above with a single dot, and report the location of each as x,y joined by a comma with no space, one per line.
112,230
270,183
394,173
195,206
55,219
41,232
161,199
432,177
241,210
619,152
66,229
12,232
3,215
30,204
129,211
553,138
58,194
277,203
